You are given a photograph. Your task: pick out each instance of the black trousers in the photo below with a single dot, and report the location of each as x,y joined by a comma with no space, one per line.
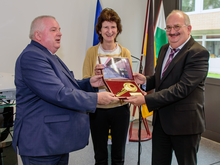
185,147
118,120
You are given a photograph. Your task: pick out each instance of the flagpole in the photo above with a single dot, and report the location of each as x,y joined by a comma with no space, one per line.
147,49
140,119
139,135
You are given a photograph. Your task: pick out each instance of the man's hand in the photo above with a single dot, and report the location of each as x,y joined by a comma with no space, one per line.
136,100
105,98
139,78
98,69
145,93
96,81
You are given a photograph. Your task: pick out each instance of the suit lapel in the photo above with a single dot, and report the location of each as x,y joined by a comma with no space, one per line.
175,60
66,71
63,67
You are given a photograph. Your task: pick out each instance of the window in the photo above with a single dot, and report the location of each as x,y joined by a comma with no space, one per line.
212,44
188,5
205,16
211,4
198,6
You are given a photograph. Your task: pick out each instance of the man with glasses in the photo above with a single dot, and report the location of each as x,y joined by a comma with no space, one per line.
178,101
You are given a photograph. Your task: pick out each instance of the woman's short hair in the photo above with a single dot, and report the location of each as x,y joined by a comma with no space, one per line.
110,15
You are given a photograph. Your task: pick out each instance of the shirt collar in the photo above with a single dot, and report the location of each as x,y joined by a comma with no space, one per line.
50,52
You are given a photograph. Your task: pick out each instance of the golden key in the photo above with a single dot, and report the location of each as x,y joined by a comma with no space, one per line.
127,87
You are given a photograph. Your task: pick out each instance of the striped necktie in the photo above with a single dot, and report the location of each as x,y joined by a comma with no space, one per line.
173,51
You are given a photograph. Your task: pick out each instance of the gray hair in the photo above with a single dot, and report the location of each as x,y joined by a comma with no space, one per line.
37,24
186,17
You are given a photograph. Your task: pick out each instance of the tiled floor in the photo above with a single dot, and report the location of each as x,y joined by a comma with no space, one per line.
209,153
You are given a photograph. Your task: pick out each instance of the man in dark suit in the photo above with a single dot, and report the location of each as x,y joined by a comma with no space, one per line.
51,105
178,101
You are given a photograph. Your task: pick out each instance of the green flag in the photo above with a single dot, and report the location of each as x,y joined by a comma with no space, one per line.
160,33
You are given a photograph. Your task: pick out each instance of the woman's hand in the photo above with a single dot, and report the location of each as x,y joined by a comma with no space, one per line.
98,69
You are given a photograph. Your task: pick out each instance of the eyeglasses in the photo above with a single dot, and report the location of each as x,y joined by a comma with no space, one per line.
175,27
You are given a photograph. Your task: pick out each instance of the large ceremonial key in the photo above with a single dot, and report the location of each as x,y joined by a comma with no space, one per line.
127,87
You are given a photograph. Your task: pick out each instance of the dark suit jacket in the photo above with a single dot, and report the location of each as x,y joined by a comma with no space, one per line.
51,105
179,96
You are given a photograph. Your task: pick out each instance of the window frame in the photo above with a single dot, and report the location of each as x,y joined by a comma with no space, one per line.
204,39
199,8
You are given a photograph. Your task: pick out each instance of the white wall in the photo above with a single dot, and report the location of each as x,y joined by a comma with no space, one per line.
76,18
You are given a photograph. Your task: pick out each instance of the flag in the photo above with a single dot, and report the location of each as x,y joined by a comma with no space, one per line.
148,49
159,32
98,11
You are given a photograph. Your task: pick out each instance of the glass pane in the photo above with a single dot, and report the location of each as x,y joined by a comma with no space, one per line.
211,4
188,5
214,60
214,48
197,37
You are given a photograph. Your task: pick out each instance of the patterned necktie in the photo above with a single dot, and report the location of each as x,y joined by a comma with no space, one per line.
173,51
